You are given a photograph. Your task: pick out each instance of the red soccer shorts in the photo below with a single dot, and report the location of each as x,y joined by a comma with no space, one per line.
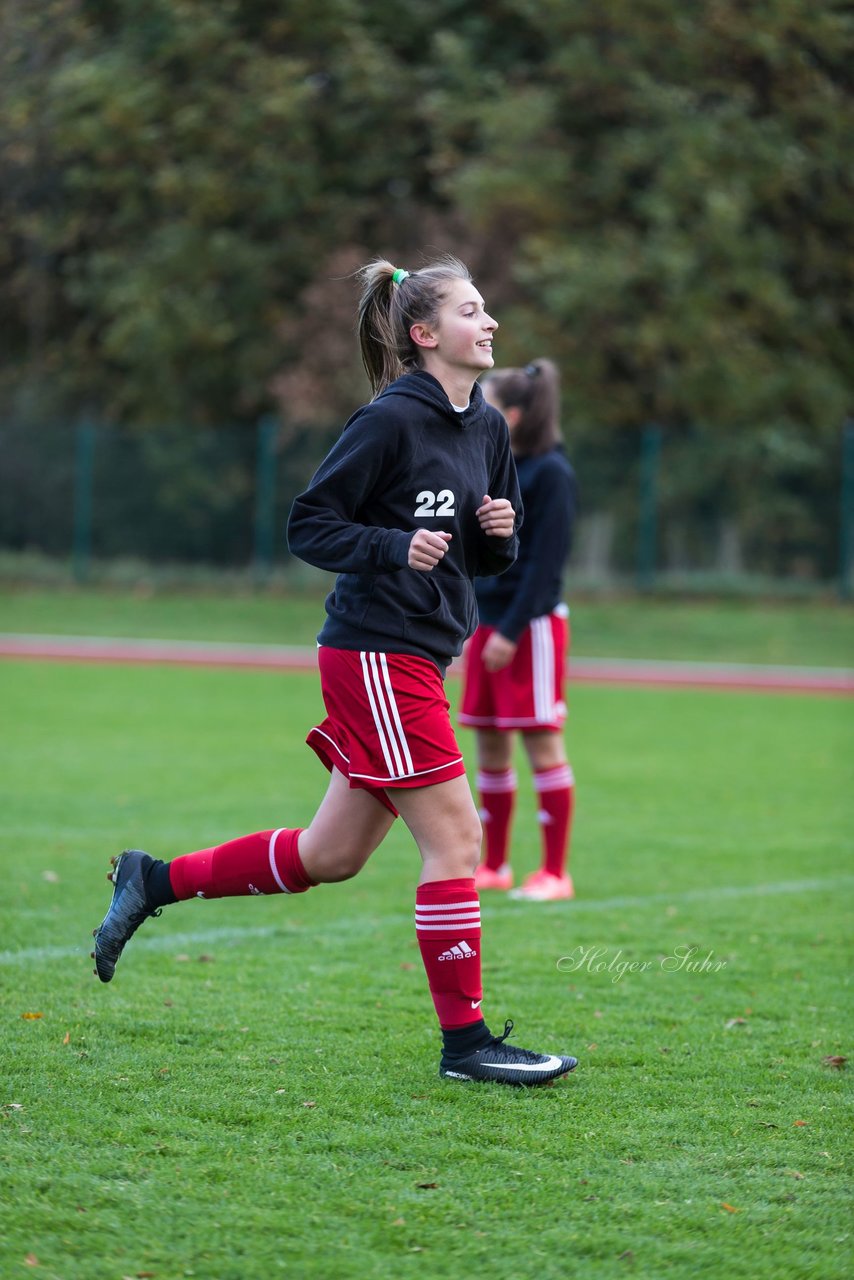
387,721
529,692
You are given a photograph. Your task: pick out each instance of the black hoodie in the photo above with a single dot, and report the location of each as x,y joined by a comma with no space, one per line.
408,460
533,586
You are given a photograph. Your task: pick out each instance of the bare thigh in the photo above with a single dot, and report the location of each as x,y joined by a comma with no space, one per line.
345,831
494,748
545,748
444,822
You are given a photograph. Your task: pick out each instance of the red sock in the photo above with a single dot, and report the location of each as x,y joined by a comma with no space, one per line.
447,922
497,792
266,862
555,790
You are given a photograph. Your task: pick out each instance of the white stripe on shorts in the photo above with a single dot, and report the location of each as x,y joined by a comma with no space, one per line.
543,666
386,715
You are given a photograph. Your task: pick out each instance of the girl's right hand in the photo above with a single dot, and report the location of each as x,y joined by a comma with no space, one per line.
427,548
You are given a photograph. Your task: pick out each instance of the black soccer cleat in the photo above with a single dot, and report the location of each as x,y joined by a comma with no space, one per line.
128,908
506,1064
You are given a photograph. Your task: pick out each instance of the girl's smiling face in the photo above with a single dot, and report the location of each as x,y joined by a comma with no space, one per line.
459,344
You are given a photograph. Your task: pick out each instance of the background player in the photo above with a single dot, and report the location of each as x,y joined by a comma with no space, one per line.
516,659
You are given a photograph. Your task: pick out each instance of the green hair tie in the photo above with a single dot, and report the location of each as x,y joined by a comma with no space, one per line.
399,276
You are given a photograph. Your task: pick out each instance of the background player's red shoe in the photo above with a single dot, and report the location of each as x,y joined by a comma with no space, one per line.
486,878
542,886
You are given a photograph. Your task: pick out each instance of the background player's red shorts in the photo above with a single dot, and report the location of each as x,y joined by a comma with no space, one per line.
529,692
387,721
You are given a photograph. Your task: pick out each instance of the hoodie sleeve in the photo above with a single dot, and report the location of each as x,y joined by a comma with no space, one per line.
324,527
497,554
548,540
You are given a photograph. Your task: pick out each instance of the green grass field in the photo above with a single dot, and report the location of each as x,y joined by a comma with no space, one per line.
256,1092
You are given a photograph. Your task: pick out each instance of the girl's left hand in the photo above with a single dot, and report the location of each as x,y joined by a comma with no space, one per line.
496,517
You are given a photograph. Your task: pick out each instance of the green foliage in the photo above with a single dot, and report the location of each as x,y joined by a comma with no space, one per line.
670,184
658,195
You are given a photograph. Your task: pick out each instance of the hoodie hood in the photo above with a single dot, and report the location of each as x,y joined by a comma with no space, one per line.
422,386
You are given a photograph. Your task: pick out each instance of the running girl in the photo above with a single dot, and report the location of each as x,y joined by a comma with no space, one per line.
417,497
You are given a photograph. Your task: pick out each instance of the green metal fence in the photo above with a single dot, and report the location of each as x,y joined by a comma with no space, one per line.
657,507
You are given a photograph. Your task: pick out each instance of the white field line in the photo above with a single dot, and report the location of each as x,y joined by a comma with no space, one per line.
370,923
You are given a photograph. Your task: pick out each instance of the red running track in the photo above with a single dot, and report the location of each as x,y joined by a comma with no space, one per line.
600,671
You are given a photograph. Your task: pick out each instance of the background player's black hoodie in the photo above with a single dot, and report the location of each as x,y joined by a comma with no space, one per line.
534,585
407,460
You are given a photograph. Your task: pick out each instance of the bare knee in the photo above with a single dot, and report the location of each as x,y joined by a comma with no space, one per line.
331,863
457,858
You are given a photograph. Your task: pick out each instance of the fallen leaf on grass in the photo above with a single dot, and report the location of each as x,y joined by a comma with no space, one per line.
309,1104
407,965
626,1256
51,877
66,1039
793,1173
205,959
735,1022
799,1124
182,958
14,1106
834,1060
768,1124
730,1208
30,1017
31,1260
427,1186
399,1222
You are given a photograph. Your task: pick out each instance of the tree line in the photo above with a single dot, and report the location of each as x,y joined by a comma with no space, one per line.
656,194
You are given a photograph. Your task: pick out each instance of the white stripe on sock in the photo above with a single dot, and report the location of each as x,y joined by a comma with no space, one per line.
448,922
557,779
496,783
272,852
474,901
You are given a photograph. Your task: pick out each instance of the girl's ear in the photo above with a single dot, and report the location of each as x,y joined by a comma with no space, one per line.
512,416
422,336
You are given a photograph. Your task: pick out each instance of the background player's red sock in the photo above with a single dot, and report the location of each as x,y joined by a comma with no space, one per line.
497,794
447,922
266,862
555,790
